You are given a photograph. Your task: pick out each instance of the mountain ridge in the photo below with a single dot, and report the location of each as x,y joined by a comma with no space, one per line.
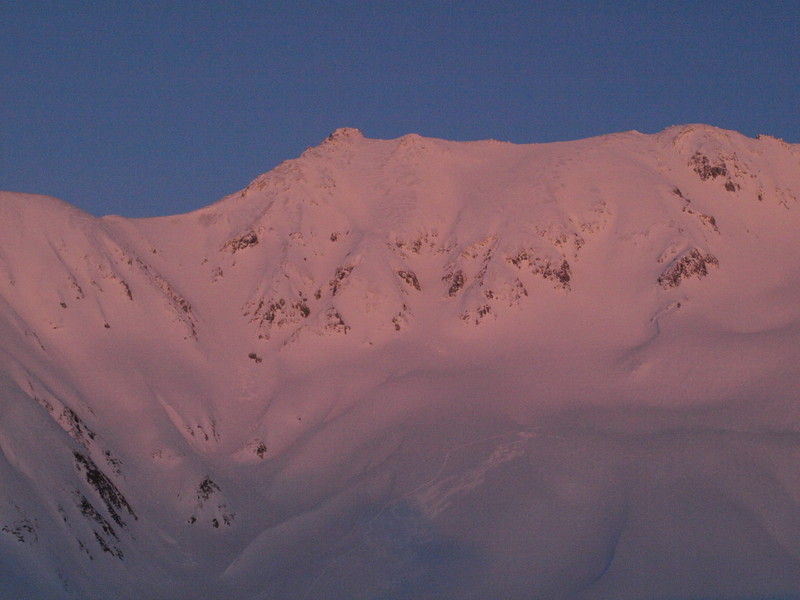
551,232
310,387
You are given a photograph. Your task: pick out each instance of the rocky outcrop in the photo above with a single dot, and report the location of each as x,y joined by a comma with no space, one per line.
691,264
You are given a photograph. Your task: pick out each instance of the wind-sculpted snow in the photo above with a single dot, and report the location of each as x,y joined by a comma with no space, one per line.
413,369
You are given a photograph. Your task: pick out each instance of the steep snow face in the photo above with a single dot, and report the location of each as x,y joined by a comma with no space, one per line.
414,368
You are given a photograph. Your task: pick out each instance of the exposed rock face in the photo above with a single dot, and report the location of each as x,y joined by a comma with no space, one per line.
113,499
703,167
692,264
241,242
410,278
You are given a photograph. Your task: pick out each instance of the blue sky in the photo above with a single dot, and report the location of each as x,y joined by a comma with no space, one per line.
153,108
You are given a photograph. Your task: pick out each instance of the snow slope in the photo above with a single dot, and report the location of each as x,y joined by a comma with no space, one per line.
414,368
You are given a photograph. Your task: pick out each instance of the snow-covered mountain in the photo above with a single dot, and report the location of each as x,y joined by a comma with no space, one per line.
414,368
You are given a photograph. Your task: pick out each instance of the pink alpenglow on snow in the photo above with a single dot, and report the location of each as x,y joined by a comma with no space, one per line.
414,368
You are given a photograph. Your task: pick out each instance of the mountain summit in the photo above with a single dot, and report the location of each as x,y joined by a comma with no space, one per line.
414,368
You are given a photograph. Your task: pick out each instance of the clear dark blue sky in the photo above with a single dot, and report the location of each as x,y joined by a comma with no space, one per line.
151,108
